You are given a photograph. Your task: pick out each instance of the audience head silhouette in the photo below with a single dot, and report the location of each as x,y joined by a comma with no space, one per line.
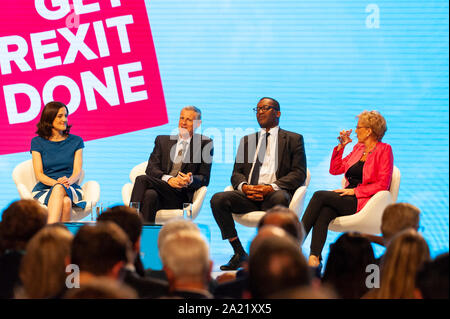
21,221
398,217
101,250
345,269
43,268
275,263
186,261
284,218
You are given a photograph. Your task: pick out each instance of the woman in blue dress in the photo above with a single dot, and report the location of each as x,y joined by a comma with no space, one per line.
57,162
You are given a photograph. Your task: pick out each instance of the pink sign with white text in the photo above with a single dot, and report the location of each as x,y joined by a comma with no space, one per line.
95,56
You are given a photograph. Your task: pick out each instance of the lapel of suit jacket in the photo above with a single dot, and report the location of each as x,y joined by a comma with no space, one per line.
281,145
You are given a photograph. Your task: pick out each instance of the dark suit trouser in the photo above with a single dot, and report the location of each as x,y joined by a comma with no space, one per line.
323,207
155,194
225,203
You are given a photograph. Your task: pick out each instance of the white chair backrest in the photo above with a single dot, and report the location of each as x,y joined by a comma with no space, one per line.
138,170
23,173
395,183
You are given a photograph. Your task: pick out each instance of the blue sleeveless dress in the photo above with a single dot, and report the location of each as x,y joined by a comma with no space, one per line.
57,161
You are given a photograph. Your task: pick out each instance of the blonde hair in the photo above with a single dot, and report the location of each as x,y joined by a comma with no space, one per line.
404,256
42,270
375,121
186,254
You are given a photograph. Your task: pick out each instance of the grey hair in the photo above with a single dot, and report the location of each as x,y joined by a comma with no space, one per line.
173,226
186,254
195,109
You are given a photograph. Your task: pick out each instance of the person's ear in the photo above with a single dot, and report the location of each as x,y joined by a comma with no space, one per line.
278,114
115,271
170,276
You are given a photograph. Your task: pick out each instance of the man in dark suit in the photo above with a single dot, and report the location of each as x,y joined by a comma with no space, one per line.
178,166
270,165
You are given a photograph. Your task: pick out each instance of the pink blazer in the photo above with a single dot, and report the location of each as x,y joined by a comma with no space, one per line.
377,171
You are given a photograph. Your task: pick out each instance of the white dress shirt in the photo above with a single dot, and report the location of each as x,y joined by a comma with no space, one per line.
177,149
267,173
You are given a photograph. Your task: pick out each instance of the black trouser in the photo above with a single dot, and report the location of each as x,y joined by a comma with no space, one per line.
155,194
225,203
323,207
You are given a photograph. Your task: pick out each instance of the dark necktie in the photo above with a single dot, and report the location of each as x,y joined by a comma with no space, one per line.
178,161
259,161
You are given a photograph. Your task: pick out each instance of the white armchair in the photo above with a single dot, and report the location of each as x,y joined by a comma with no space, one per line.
251,219
163,215
25,180
368,219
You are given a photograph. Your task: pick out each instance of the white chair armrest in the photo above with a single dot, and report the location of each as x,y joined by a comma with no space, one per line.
298,200
24,192
126,193
197,201
91,191
138,170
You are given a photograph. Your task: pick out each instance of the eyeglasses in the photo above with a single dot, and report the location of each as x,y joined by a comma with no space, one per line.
263,109
358,127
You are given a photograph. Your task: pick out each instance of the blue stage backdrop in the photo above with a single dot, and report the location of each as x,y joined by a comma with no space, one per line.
325,62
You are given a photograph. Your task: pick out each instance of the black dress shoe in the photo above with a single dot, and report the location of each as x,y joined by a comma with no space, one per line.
235,262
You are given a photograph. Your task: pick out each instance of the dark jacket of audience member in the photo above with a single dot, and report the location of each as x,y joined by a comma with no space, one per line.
102,288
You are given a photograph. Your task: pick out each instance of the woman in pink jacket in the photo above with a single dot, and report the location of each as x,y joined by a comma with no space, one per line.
368,170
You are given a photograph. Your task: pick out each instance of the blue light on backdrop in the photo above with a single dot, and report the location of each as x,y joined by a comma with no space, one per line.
325,62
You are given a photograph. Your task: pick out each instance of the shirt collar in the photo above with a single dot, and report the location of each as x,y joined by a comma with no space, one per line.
180,140
273,131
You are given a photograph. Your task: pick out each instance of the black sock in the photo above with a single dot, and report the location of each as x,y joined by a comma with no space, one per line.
237,247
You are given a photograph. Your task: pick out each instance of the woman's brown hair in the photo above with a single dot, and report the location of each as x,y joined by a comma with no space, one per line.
45,125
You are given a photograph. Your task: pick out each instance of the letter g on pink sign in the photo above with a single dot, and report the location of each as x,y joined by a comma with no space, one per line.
63,8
